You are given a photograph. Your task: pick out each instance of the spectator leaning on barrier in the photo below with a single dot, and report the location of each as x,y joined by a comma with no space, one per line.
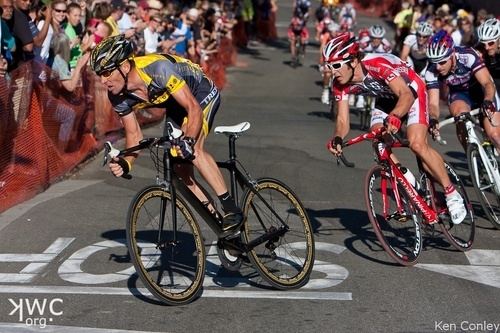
59,63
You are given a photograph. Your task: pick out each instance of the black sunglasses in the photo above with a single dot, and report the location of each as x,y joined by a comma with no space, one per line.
490,43
60,10
107,73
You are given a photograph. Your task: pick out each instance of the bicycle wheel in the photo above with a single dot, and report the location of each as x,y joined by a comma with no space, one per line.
461,236
286,261
397,226
170,263
484,185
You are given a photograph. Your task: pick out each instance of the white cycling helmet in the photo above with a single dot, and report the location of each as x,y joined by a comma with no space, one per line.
489,30
440,47
377,31
425,29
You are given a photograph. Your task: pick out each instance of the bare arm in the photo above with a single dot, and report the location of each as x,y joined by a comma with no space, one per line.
71,84
405,97
40,38
433,103
484,78
342,122
405,52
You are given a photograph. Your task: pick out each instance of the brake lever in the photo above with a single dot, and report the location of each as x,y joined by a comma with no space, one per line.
110,152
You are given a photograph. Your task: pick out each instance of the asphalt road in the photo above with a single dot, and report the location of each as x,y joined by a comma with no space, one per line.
63,261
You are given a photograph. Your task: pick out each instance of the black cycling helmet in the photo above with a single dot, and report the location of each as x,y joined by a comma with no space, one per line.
110,53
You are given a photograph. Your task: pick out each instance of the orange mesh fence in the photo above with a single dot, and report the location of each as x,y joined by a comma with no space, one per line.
46,131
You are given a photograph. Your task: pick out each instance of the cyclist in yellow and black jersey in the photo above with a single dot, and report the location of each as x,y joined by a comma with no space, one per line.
189,97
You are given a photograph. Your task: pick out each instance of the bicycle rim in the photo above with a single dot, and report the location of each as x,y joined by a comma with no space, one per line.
485,186
461,236
170,264
397,228
286,261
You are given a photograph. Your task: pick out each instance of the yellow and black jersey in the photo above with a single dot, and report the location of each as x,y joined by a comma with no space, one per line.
163,75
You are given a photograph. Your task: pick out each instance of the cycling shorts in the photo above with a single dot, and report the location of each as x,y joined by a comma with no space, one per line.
209,99
472,97
304,33
418,113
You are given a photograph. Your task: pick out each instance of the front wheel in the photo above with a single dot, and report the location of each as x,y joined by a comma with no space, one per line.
170,260
285,261
484,184
393,215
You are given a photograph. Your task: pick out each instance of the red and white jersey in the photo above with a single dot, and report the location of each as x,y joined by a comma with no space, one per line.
380,70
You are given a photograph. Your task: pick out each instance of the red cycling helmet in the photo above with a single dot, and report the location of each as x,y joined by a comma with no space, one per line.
342,47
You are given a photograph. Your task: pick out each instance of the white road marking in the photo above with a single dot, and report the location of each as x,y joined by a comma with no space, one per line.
484,268
23,328
222,293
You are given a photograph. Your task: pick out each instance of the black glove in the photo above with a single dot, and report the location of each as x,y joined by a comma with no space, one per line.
186,145
489,108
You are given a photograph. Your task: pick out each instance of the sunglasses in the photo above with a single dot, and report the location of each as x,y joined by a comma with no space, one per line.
60,10
335,65
422,37
442,62
107,73
490,43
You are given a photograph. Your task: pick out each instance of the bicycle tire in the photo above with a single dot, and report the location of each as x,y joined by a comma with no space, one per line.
484,185
461,236
399,233
173,271
285,262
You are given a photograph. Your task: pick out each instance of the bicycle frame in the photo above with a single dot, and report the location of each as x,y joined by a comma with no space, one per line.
383,152
173,183
472,138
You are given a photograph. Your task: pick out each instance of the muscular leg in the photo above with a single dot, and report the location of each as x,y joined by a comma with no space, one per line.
432,160
493,132
457,107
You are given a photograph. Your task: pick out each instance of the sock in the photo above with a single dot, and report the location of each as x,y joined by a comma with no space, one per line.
449,189
228,204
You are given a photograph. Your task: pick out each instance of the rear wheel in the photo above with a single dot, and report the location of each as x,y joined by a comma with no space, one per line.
170,262
484,184
284,261
394,218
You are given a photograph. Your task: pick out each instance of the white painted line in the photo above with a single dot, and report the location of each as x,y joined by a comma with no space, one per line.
23,328
310,295
487,275
484,257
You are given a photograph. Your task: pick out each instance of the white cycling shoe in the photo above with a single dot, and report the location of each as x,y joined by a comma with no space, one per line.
456,207
325,96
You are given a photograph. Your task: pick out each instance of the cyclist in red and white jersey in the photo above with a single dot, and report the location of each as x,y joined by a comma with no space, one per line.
297,29
326,30
469,83
400,92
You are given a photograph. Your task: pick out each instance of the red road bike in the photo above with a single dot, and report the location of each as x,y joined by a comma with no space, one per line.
399,211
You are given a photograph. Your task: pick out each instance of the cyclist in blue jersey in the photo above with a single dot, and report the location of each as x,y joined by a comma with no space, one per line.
191,101
461,69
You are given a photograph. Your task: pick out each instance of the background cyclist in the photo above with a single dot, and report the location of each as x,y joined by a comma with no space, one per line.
415,47
469,82
488,34
191,101
297,29
402,93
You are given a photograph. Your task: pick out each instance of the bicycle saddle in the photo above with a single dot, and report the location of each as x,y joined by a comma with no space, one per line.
235,129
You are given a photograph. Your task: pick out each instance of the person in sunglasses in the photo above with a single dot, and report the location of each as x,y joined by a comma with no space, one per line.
400,93
488,34
469,83
415,46
190,99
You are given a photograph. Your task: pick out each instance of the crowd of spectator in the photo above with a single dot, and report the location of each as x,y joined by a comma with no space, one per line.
453,16
192,29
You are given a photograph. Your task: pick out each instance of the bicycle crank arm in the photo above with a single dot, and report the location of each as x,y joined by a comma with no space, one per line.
272,234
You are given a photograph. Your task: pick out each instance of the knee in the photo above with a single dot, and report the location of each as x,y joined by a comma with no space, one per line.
418,147
495,137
